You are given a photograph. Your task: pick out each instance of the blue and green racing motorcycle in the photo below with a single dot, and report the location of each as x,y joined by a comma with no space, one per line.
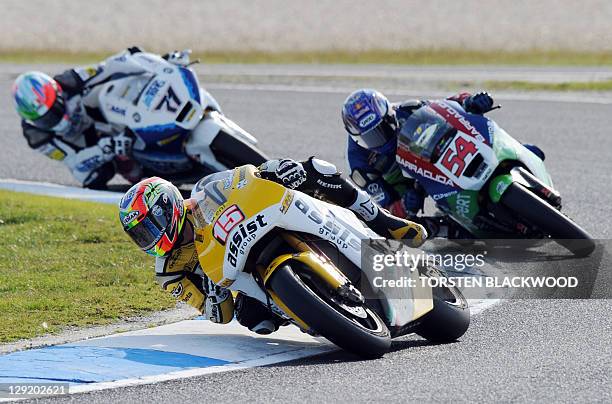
483,179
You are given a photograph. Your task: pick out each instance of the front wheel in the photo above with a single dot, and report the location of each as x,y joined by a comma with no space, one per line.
356,328
549,220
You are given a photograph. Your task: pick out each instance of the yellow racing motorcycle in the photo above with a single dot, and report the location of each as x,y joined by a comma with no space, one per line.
301,257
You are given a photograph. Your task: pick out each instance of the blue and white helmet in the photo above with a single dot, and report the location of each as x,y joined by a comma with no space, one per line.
369,118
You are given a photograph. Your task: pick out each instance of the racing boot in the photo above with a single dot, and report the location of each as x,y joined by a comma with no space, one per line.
385,224
442,226
252,314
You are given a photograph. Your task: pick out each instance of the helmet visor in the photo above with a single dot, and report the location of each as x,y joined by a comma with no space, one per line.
146,233
53,116
375,137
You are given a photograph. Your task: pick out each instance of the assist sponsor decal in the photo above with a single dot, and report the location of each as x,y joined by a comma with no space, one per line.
244,235
329,227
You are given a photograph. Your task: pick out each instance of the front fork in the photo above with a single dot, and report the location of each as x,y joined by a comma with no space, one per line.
324,270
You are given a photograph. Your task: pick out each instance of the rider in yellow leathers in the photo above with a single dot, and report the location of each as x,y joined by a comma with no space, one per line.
154,214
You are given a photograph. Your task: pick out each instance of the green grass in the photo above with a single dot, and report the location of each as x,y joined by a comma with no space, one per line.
520,85
604,85
413,57
68,263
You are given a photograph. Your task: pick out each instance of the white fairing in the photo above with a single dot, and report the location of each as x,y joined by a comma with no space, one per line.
198,144
470,183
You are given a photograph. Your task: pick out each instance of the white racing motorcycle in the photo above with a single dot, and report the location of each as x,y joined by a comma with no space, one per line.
180,131
301,257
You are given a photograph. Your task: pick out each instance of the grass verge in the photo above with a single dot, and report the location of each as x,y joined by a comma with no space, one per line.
603,85
412,57
519,85
68,263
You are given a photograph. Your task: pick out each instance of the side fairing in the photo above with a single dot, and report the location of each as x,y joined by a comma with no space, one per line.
508,148
328,222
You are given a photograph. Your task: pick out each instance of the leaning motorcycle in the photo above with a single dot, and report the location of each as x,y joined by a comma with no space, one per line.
180,132
301,258
484,179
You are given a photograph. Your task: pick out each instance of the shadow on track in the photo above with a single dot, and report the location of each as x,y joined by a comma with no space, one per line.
341,356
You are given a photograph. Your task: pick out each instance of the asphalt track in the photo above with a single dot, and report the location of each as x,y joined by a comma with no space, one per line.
518,351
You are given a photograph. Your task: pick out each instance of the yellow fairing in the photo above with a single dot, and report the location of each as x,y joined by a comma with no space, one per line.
251,194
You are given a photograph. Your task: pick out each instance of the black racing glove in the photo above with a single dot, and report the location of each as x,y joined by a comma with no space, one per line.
134,49
478,103
288,172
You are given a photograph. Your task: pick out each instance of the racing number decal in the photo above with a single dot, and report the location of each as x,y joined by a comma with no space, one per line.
454,160
226,222
171,101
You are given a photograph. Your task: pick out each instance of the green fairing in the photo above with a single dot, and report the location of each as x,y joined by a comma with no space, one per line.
506,147
498,186
463,207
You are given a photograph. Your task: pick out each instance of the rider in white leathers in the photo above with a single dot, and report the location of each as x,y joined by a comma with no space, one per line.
61,116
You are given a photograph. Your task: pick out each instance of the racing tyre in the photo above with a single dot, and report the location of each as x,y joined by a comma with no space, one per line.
234,152
449,319
537,212
364,334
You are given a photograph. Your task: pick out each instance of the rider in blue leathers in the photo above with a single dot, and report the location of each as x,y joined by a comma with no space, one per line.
373,124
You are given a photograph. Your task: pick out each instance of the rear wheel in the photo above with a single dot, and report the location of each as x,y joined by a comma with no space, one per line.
355,328
450,317
549,220
234,152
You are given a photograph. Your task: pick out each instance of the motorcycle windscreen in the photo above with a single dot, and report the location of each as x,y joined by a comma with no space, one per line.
210,193
426,134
